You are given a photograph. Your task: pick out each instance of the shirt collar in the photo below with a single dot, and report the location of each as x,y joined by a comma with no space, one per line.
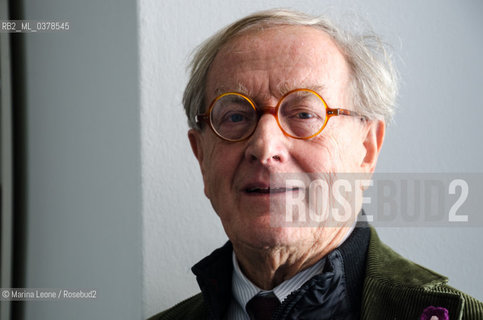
244,290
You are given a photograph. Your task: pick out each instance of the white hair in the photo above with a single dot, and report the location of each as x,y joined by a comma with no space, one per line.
373,78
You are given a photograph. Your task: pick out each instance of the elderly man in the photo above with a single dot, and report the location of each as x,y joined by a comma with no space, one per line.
259,101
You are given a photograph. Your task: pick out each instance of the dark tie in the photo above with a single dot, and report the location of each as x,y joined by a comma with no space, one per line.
262,307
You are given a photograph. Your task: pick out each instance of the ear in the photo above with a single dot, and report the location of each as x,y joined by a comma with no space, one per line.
195,141
374,137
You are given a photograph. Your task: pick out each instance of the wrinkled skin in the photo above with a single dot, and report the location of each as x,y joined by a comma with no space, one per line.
264,65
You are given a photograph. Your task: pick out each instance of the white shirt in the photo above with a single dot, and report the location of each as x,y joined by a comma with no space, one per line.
243,290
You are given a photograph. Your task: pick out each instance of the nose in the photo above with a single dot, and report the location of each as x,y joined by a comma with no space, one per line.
268,144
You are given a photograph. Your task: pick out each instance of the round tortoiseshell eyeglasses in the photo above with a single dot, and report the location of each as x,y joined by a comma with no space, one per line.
300,114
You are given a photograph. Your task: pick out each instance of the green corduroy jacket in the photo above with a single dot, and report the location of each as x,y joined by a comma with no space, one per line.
394,288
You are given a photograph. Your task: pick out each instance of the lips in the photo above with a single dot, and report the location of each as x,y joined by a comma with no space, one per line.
269,190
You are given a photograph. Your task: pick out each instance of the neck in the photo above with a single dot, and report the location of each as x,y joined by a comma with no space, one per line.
267,267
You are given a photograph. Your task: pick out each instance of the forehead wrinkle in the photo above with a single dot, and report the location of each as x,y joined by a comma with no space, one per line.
286,86
281,89
239,87
256,95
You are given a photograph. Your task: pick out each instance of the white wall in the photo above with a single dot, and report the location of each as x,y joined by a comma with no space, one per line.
438,45
83,169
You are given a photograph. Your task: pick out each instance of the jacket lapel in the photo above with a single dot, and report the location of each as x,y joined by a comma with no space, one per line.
396,288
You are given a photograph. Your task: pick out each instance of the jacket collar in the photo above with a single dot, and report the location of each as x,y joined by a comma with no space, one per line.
398,288
213,274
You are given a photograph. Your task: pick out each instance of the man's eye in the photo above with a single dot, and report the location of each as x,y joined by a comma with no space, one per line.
236,117
304,115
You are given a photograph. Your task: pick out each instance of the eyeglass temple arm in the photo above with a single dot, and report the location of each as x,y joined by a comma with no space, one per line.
201,117
345,112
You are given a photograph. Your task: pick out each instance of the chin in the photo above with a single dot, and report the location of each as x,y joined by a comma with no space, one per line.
271,237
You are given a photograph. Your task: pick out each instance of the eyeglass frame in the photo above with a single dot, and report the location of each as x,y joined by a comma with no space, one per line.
330,112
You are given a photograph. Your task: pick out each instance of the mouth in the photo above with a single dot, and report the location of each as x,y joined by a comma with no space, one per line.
269,190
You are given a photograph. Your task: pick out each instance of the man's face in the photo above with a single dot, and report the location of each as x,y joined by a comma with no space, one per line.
264,65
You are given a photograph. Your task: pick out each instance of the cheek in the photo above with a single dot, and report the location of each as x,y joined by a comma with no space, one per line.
350,150
219,168
320,155
209,164
332,152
